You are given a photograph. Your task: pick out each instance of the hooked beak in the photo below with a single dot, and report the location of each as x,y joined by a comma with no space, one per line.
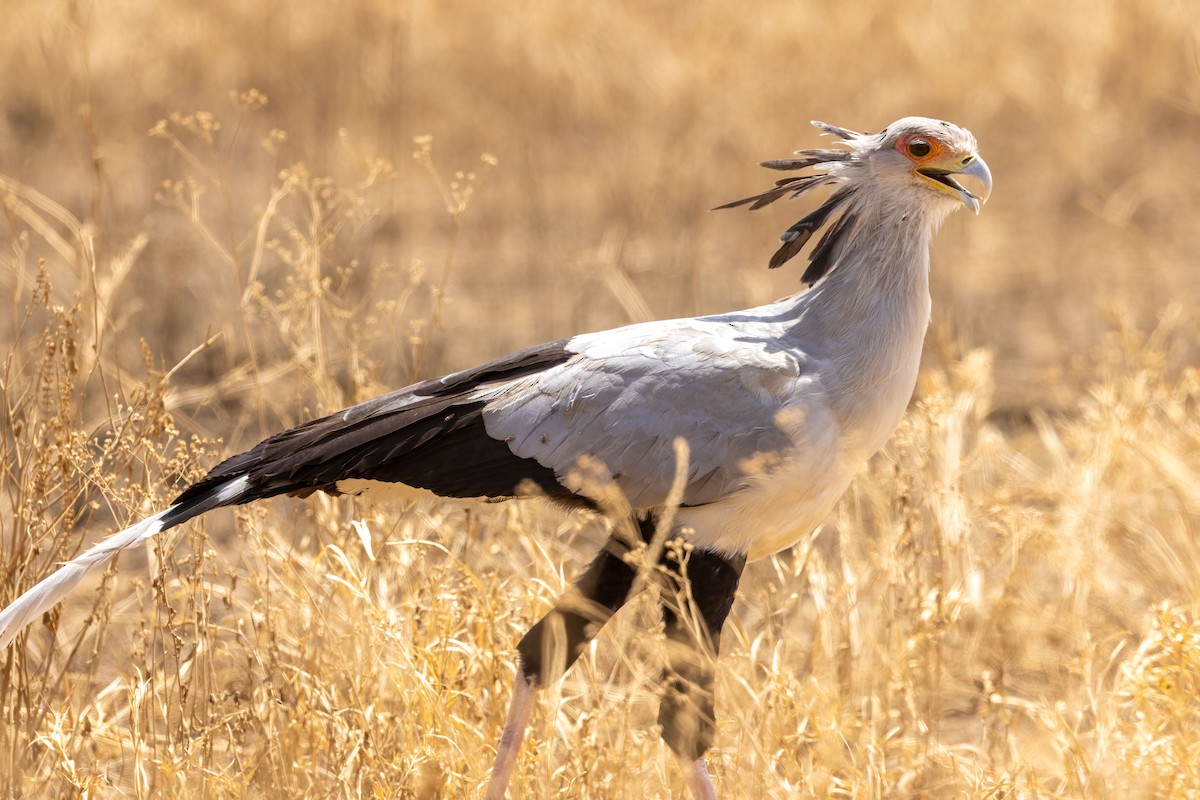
972,167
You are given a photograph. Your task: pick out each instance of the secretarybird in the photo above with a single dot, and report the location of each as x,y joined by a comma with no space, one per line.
779,406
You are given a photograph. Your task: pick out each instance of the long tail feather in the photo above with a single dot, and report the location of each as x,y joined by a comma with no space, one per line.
50,590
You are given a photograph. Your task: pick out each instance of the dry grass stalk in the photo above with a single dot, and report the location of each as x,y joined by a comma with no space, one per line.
1004,606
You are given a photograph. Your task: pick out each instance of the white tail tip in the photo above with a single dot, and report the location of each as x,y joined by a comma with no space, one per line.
49,591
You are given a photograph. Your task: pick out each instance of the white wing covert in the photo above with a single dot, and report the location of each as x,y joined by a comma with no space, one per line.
625,396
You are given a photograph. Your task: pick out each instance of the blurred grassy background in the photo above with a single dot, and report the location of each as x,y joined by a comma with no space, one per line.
997,619
617,125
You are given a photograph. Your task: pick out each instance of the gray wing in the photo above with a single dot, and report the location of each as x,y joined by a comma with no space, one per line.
625,396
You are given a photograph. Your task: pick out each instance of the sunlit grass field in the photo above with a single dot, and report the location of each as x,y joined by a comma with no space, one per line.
223,218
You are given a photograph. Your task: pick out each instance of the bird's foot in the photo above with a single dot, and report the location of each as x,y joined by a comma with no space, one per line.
698,781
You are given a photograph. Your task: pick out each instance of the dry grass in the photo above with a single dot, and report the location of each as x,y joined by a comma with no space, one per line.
1005,604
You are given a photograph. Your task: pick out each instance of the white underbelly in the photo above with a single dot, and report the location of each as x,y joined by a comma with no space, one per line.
768,516
777,508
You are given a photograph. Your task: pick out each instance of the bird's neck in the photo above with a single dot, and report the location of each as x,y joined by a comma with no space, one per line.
866,322
880,282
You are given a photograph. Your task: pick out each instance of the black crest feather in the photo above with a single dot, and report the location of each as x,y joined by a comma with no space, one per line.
822,258
788,186
808,158
794,239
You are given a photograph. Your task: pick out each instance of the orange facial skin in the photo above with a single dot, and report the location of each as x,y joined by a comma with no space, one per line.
919,149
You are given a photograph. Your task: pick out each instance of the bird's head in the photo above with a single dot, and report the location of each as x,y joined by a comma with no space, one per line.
913,165
922,155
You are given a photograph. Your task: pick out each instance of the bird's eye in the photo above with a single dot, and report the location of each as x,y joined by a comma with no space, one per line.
919,148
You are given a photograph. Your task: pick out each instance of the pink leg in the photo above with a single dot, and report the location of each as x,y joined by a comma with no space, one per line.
698,781
524,693
572,623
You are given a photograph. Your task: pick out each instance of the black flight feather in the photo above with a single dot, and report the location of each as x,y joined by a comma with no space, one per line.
430,435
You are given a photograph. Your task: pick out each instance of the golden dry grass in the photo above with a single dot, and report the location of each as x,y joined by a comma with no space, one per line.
215,226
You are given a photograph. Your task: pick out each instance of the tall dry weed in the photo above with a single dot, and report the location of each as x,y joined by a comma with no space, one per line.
1004,604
